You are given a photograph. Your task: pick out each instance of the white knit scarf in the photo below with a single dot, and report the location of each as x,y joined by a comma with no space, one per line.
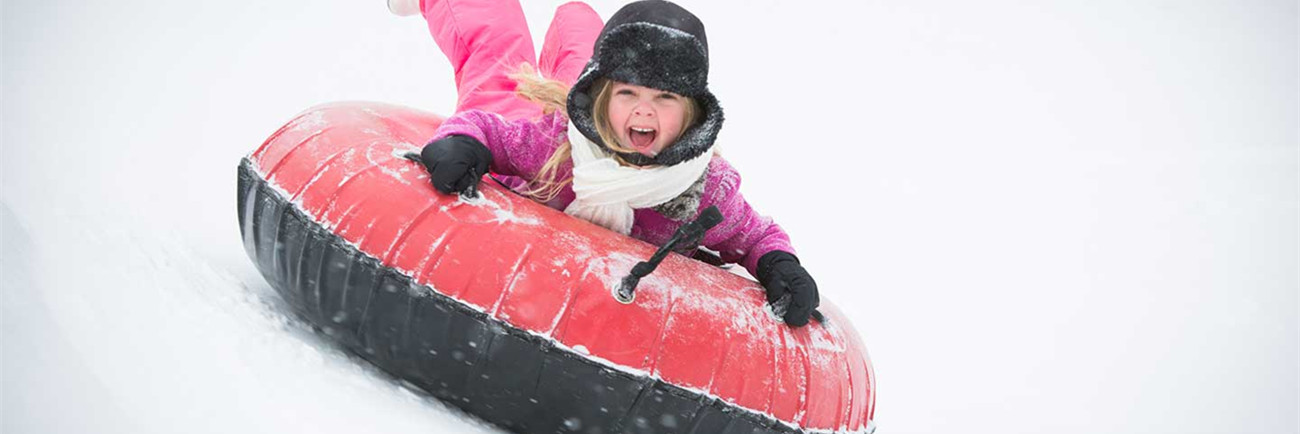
608,192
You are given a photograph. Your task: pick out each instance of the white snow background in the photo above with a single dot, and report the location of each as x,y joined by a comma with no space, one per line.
1060,217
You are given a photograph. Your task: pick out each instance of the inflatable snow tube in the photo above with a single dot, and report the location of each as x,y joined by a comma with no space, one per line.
506,308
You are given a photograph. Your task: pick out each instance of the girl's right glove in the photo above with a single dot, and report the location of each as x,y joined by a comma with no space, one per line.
788,286
456,163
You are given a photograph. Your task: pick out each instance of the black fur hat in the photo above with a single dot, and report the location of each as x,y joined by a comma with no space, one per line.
658,44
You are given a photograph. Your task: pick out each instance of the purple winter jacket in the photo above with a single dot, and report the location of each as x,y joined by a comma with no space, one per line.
520,148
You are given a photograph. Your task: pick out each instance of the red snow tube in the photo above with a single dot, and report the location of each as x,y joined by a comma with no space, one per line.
505,307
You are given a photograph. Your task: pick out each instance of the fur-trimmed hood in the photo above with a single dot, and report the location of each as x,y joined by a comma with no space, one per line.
657,44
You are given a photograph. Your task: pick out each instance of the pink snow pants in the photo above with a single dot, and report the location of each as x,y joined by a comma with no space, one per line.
486,40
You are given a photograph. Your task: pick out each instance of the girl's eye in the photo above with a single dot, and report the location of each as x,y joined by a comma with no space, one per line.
667,96
624,92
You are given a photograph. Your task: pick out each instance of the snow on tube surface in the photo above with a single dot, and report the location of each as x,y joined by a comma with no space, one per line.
506,309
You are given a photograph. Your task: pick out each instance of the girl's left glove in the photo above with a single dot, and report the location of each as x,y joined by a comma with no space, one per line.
788,283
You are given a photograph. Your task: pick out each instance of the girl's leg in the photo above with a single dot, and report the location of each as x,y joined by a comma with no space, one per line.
485,40
569,42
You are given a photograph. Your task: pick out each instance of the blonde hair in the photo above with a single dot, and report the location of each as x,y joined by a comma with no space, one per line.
552,96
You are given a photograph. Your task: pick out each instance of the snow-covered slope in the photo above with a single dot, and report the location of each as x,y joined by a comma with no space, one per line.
1042,217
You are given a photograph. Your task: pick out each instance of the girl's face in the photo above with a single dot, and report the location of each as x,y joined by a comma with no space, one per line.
645,119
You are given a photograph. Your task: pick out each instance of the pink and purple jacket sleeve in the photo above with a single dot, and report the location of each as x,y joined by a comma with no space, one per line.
744,235
519,147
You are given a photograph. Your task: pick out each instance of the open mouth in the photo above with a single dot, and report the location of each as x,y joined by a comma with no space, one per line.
642,138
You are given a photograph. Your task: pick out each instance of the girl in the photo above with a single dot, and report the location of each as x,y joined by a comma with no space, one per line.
628,146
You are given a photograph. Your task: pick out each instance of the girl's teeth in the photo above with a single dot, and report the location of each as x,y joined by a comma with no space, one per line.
641,137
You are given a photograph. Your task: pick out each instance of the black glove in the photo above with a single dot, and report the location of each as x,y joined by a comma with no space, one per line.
456,163
788,285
